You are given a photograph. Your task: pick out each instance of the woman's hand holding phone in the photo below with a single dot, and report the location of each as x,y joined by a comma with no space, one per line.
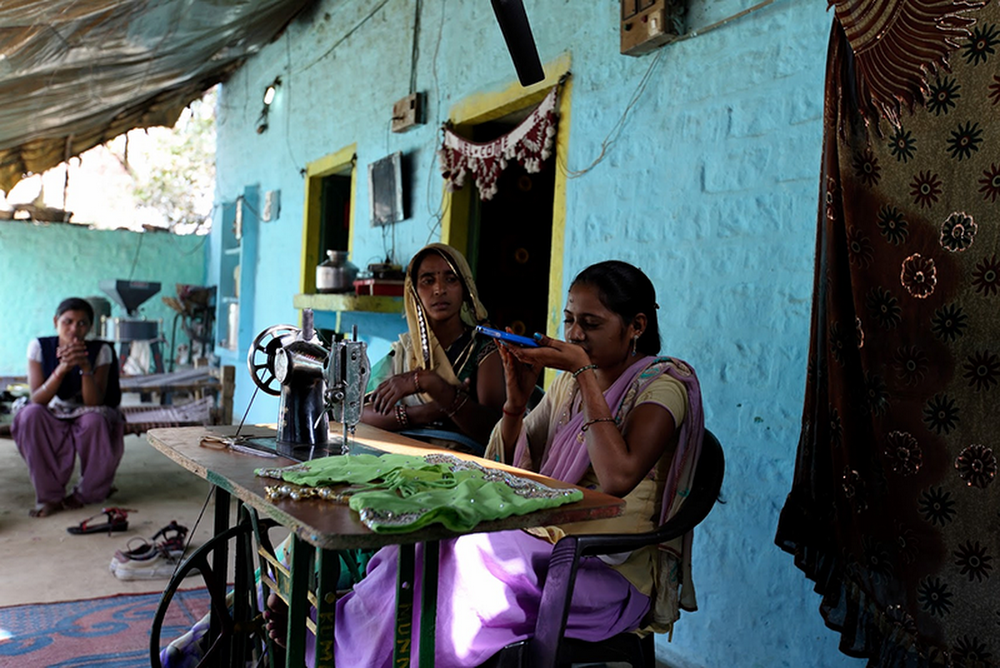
507,337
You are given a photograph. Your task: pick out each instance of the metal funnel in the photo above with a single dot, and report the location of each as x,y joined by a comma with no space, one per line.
130,295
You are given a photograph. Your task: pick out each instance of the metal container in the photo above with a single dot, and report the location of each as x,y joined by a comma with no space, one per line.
102,311
127,329
336,273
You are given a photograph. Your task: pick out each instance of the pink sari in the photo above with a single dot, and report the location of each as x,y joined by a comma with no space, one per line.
566,458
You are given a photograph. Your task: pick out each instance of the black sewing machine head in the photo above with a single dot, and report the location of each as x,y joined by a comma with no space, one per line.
315,383
289,362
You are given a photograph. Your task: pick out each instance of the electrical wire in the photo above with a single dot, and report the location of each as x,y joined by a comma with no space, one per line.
288,100
718,24
345,36
613,135
619,125
135,260
434,222
415,55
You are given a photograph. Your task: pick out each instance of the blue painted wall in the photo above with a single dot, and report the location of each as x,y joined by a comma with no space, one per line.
711,188
40,265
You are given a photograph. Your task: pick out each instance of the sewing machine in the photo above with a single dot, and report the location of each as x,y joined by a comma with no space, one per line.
315,385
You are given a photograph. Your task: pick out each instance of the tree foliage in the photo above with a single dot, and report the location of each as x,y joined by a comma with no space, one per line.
176,177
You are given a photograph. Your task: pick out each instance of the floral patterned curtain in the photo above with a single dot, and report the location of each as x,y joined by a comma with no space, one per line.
894,509
529,144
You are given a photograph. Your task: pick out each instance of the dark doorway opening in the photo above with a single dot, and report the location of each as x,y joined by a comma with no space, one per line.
510,240
335,213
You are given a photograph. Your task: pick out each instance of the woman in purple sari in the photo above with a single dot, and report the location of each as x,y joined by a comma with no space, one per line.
621,420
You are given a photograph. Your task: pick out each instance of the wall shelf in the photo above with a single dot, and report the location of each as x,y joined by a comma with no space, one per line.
337,302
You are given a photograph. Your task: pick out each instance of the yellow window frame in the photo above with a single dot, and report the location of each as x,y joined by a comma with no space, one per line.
341,162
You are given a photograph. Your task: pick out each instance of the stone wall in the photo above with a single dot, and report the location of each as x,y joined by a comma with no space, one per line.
42,264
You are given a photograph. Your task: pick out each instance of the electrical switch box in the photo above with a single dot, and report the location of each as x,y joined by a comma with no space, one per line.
649,24
408,112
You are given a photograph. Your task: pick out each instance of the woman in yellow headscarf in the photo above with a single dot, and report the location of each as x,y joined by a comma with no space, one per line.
440,375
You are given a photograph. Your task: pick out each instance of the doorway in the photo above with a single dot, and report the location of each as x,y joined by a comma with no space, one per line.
510,240
515,241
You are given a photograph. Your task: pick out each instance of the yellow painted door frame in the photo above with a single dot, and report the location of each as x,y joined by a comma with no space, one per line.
484,107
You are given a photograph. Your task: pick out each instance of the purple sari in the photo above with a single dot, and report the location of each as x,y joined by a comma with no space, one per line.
490,584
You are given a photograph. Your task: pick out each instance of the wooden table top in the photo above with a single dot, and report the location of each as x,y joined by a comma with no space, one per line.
333,526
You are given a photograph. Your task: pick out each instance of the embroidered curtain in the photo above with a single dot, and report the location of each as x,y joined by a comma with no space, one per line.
893,510
529,144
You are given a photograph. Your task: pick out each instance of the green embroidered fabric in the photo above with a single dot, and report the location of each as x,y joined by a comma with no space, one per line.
398,493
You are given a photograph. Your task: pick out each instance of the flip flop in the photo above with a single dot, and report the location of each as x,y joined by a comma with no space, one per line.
117,521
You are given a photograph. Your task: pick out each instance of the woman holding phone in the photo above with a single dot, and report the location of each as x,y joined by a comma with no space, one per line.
621,419
440,374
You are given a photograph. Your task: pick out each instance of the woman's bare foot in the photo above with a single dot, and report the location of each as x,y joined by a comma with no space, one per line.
276,615
72,503
46,509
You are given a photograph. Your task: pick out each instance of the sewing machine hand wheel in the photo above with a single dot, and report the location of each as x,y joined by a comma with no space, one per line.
263,350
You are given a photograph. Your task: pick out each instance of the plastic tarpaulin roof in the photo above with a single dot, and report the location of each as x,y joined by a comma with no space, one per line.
77,73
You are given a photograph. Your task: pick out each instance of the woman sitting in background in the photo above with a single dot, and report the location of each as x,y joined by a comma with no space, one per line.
439,374
71,411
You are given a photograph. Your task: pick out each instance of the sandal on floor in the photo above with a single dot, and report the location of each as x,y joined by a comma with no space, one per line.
173,536
147,560
117,521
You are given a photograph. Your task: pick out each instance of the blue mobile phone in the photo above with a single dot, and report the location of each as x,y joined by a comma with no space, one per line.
508,337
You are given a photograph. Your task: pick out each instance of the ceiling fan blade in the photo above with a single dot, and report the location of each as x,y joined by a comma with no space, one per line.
520,43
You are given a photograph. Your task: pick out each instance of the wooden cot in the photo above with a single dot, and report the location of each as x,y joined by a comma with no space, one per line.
208,394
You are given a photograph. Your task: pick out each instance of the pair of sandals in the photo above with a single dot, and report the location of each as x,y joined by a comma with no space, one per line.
117,520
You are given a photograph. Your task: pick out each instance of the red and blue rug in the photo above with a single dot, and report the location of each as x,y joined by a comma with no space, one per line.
110,632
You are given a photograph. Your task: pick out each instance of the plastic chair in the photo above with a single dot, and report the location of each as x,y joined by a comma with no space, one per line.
548,646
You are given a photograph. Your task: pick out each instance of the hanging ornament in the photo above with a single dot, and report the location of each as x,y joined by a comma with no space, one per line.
529,144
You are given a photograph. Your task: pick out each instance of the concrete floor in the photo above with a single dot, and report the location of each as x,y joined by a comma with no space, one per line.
44,563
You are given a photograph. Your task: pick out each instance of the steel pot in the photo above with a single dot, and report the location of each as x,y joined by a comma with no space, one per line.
336,273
